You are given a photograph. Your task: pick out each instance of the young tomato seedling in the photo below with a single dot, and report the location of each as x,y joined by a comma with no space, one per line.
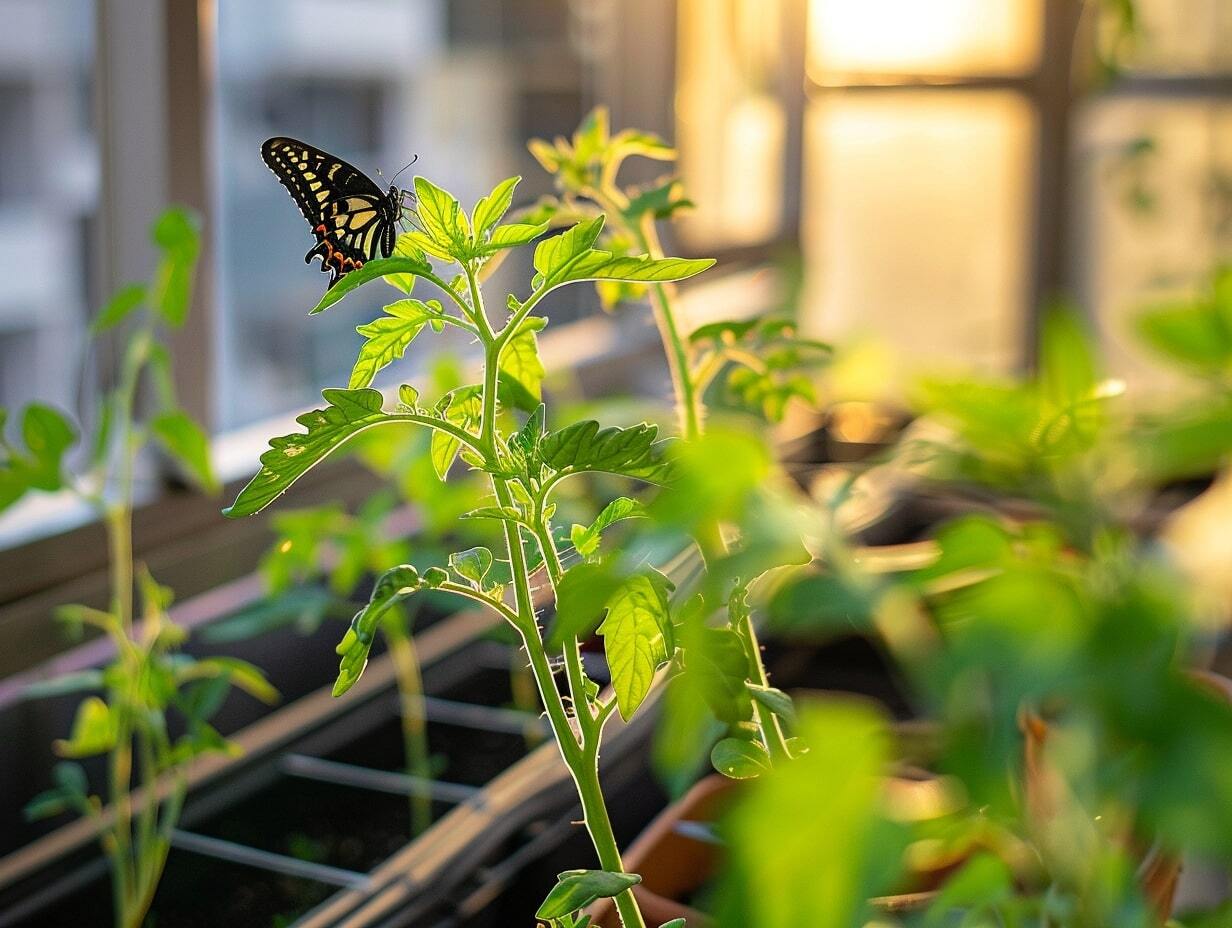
523,464
127,724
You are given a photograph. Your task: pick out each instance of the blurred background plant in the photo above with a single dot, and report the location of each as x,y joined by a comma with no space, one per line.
144,763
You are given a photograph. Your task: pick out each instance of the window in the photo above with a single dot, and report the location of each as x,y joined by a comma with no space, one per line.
48,196
956,163
1155,155
389,81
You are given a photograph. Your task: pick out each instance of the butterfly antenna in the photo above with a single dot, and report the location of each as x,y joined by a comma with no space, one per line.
403,168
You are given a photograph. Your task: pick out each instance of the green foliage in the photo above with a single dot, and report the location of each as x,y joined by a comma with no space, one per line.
740,758
126,717
762,364
170,292
808,844
392,587
523,464
1194,334
520,360
186,442
576,889
348,413
405,264
585,446
388,337
47,435
570,257
637,637
586,538
462,408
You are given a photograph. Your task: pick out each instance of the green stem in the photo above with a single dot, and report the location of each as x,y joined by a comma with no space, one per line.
689,395
580,758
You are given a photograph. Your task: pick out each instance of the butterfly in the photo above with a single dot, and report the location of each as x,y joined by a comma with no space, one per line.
352,219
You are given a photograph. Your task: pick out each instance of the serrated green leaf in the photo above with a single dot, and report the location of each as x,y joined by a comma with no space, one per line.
291,456
396,267
774,701
581,597
433,577
489,210
660,201
94,730
387,338
740,759
584,446
176,234
513,235
513,394
405,247
472,564
592,135
118,308
462,407
715,662
408,396
442,219
527,439
636,639
391,588
569,257
186,442
520,359
586,538
576,889
556,255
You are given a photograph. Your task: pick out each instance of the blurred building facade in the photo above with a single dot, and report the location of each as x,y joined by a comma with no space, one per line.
48,196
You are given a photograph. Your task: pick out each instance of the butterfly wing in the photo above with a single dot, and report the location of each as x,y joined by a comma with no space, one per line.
353,220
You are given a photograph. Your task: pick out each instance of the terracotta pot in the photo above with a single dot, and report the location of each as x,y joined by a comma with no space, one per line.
675,866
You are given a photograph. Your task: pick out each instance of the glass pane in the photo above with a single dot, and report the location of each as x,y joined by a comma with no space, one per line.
1177,36
917,222
731,124
389,80
922,37
48,196
1159,215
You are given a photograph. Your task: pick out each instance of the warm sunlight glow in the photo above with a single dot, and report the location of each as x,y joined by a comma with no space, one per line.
731,125
924,37
916,206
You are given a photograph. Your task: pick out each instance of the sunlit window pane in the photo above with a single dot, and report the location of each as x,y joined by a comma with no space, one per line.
917,222
731,123
389,80
48,196
1176,36
1159,215
922,37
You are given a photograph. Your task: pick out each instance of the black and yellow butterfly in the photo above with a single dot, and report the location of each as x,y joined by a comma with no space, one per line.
352,219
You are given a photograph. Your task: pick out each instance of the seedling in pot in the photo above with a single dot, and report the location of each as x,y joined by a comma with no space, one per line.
758,364
523,462
126,723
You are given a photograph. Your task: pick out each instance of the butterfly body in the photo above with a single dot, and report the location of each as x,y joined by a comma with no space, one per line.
352,219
